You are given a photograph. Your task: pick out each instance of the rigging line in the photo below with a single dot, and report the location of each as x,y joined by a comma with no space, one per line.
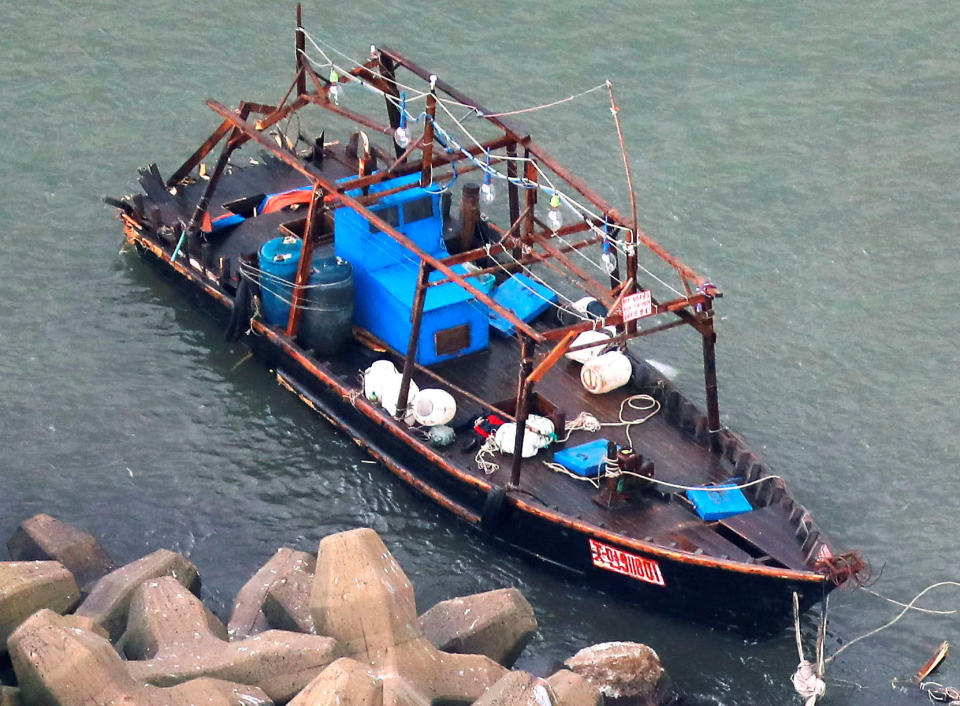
539,279
928,611
541,107
909,606
356,63
574,205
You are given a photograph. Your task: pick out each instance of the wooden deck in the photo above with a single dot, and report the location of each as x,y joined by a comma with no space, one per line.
666,520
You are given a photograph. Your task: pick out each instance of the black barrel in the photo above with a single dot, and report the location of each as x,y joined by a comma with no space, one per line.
328,306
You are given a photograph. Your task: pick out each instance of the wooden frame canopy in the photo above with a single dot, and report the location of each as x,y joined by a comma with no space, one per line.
528,238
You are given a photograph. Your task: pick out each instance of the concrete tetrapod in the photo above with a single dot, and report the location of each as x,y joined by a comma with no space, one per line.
362,598
108,601
169,639
45,538
519,689
346,681
247,617
60,665
498,624
287,603
28,586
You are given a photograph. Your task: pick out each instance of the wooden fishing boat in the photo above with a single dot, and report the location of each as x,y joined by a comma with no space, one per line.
488,364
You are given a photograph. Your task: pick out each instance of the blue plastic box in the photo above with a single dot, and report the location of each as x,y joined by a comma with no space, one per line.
385,306
718,504
454,324
586,460
524,297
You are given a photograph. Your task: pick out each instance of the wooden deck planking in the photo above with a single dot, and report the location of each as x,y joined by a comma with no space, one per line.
768,528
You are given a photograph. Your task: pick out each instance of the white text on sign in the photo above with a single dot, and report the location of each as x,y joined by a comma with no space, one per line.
613,559
637,305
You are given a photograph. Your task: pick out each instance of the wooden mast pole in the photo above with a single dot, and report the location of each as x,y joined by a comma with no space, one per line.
524,386
513,192
710,371
306,257
426,175
416,318
300,49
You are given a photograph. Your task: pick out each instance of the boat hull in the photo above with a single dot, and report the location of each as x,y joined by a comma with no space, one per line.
751,599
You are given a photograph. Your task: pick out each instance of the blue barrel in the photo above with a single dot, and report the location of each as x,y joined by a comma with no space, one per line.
327,315
279,260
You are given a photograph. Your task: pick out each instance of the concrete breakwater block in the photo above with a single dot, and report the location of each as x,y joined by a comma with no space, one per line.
28,586
45,538
573,690
519,689
620,670
346,681
172,638
247,617
498,624
108,600
362,598
287,603
60,665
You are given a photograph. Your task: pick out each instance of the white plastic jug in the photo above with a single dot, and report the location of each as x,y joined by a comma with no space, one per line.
606,372
390,395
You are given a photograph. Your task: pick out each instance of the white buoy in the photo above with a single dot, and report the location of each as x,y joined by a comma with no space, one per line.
432,407
585,354
606,372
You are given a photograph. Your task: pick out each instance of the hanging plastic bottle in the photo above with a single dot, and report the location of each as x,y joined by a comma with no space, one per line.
487,192
402,135
335,91
608,258
554,217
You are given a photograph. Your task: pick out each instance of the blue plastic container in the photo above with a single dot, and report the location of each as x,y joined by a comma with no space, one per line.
279,259
727,500
384,300
524,297
586,460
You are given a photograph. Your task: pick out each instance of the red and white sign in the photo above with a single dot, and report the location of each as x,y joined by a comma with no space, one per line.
824,552
637,305
613,559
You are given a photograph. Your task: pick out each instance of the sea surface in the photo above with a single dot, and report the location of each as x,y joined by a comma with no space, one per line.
804,156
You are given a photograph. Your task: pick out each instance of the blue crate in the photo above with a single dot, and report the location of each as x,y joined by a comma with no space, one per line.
725,501
524,297
586,460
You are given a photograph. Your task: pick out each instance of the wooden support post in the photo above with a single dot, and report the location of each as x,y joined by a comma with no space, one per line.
301,48
306,256
530,174
513,192
524,388
426,175
416,318
710,372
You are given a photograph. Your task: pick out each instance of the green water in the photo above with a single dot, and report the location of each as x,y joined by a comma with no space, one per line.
805,156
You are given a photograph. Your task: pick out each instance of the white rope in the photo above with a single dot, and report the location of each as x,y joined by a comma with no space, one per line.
807,679
907,608
540,107
487,449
